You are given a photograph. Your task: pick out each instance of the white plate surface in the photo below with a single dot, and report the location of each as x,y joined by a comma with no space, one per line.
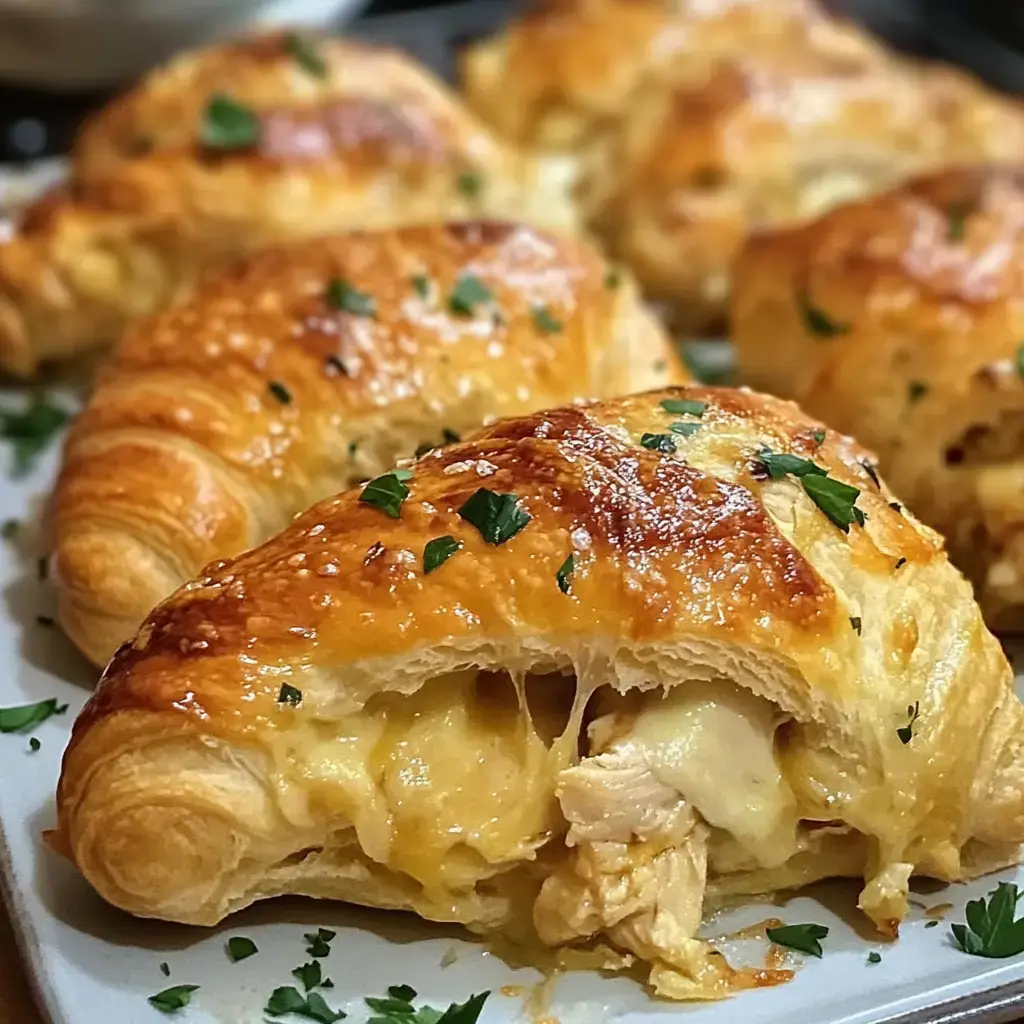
93,965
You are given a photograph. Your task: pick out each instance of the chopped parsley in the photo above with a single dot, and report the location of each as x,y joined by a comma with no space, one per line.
778,464
916,390
564,574
932,924
685,429
906,732
684,406
819,437
1020,359
312,1006
23,717
872,471
336,367
612,279
165,969
895,506
856,623
470,184
438,551
957,214
318,942
227,125
803,937
289,695
900,562
30,431
341,295
404,992
280,392
544,321
874,958
420,285
498,517
836,499
387,493
469,292
397,1008
33,744
817,321
173,999
305,54
310,975
658,443
240,947
10,529
991,929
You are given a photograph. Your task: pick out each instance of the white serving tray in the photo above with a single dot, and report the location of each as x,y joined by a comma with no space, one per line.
93,965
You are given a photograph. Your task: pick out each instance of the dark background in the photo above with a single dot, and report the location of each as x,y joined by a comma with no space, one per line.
979,34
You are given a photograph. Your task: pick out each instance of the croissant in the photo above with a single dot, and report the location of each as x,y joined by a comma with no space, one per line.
308,368
685,639
769,140
898,319
228,149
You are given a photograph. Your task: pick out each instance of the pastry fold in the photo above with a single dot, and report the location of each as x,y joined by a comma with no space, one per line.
227,149
308,368
646,674
899,320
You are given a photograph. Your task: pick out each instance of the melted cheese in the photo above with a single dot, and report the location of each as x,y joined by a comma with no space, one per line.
714,744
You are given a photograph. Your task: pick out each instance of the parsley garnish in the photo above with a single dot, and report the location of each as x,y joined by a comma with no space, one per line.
874,958
685,429
932,924
906,732
173,999
658,443
311,974
240,947
916,390
33,744
318,942
564,574
165,969
684,406
544,321
30,432
397,1008
404,992
819,437
958,214
612,279
333,363
872,472
438,551
469,291
23,717
498,517
341,295
991,929
387,493
778,464
836,499
470,184
305,54
311,1006
10,529
803,937
895,506
289,695
420,285
280,392
817,321
227,125
856,623
1020,359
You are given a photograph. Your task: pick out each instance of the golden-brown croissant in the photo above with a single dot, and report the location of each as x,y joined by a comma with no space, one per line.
309,368
900,319
230,148
773,675
772,139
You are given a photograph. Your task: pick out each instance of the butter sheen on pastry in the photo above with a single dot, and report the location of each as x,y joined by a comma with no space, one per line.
362,137
220,419
709,699
900,319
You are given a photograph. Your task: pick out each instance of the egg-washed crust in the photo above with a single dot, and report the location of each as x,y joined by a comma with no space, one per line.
372,141
681,561
769,139
221,418
925,287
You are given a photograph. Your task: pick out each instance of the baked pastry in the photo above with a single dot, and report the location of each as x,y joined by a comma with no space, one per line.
227,149
900,319
560,76
311,367
772,139
701,590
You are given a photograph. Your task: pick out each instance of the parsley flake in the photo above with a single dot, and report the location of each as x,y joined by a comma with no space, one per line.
438,551
819,437
906,732
318,942
544,321
803,937
684,406
778,464
991,929
311,974
856,623
899,563
470,184
957,214
564,574
817,321
404,992
932,924
289,695
658,443
240,947
34,744
312,1006
498,517
684,429
469,292
305,54
916,390
23,717
31,431
173,999
874,958
341,295
227,125
165,969
895,506
420,285
612,279
836,499
387,493
872,471
280,392
1020,359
